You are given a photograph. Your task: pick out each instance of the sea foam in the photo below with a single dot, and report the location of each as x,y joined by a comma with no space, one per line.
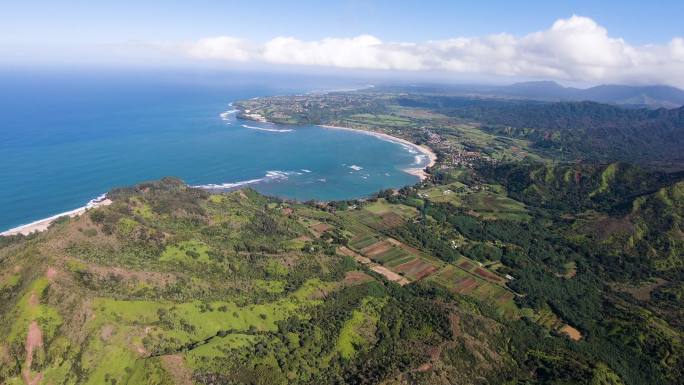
225,116
267,129
270,176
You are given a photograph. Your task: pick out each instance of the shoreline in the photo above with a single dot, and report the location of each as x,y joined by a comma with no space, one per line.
43,224
425,150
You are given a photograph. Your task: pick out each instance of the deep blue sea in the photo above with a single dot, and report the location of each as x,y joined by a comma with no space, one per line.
67,137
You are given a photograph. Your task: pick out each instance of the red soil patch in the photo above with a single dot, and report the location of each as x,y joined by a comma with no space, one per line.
287,211
416,269
571,332
51,274
392,219
176,368
465,265
376,248
33,300
355,277
465,285
485,274
34,340
321,227
390,275
447,274
359,258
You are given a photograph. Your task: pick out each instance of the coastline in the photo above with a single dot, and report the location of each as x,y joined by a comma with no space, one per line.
425,150
43,224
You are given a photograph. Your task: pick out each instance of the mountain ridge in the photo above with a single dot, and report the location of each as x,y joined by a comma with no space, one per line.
649,96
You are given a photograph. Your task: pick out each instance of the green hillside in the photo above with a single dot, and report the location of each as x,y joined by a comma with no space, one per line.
175,285
507,265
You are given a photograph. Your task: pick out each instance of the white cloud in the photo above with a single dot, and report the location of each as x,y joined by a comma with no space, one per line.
222,48
576,49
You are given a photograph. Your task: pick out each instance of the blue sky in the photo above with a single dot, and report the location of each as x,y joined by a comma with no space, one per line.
54,21
608,41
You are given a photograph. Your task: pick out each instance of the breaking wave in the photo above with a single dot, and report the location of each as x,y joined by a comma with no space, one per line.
267,129
225,116
269,177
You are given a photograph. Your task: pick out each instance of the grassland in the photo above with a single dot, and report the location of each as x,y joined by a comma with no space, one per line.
488,202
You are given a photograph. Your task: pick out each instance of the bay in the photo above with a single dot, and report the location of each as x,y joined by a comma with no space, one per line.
66,138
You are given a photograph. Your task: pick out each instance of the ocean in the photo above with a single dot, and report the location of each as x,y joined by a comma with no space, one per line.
68,137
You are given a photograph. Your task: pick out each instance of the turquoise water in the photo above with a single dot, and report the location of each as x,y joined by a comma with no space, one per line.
66,139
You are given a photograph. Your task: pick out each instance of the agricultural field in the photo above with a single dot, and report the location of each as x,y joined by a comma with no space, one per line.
381,215
396,256
497,146
488,202
464,276
463,282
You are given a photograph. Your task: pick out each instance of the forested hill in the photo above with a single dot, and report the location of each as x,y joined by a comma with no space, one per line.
174,285
653,96
576,129
579,187
645,208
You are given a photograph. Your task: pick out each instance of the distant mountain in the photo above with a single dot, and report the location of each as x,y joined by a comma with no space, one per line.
545,90
637,96
650,96
626,96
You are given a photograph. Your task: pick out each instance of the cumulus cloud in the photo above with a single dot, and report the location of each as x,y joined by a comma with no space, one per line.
576,49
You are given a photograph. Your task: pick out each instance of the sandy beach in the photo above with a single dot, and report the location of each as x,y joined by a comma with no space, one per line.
43,224
425,150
